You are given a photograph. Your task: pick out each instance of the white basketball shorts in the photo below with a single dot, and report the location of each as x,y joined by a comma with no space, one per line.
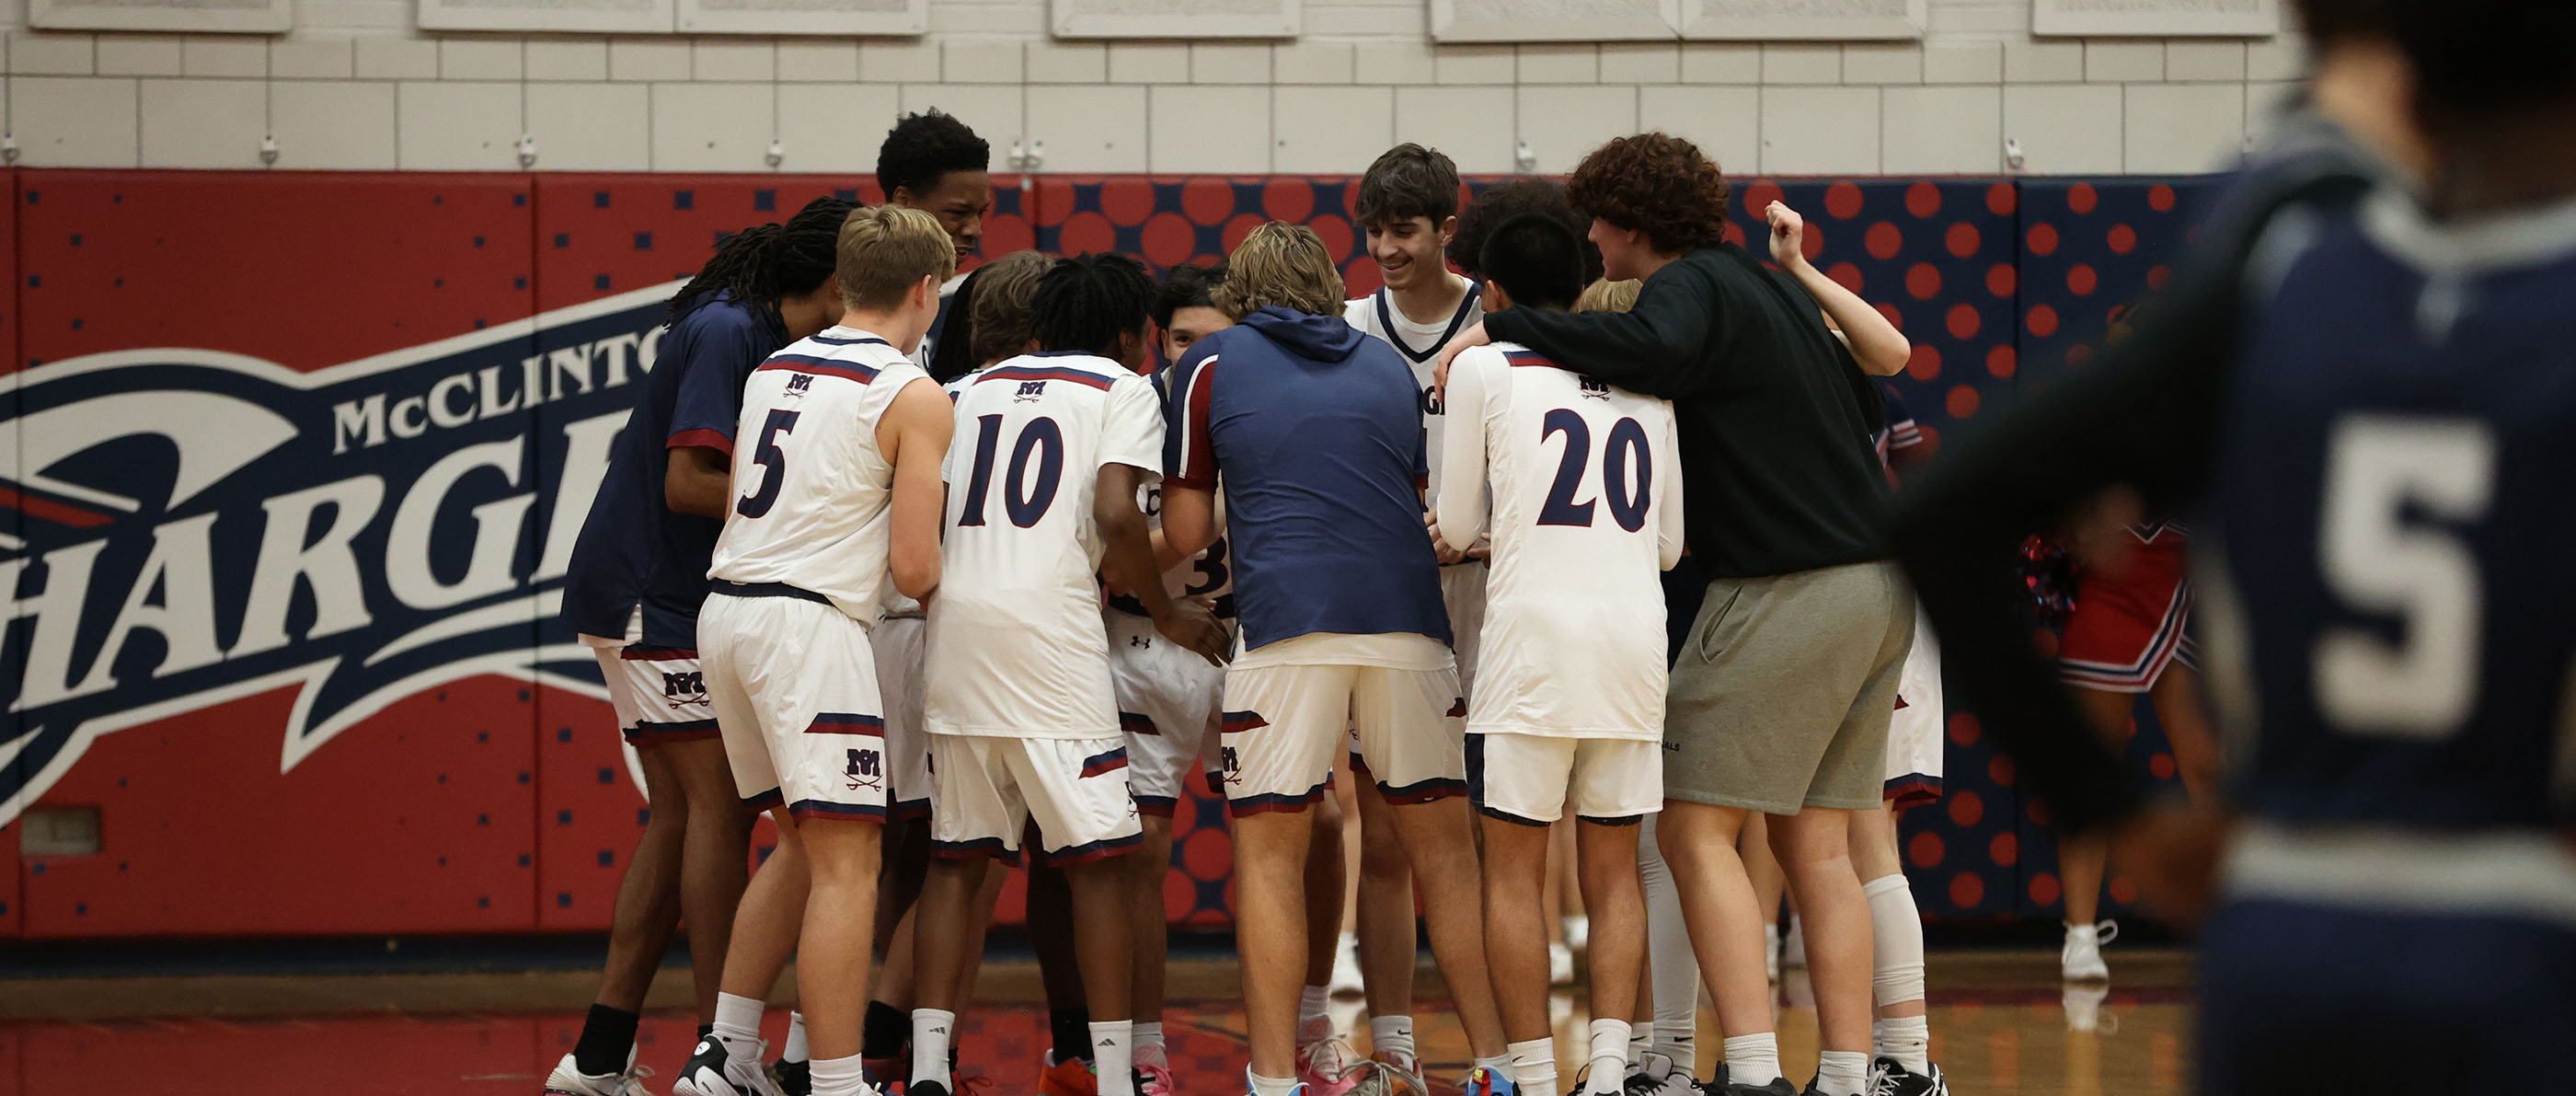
794,683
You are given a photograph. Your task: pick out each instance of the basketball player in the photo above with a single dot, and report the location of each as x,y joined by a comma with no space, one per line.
1408,205
1342,624
1502,202
1780,704
638,574
1586,513
1023,721
936,164
2376,452
832,491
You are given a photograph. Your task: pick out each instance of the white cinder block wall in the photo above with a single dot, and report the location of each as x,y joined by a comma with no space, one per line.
356,87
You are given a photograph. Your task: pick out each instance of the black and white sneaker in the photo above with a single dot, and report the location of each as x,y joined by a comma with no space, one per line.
714,1072
792,1078
1889,1077
925,1088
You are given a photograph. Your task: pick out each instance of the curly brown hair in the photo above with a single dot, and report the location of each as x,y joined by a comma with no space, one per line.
1655,183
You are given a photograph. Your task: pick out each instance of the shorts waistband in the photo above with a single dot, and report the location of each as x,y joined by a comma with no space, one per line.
764,589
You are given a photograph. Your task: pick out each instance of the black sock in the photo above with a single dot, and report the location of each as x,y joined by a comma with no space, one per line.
706,1032
883,1032
1072,1030
607,1037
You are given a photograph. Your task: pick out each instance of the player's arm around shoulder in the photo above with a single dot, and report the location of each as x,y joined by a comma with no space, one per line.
1666,435
914,435
1458,515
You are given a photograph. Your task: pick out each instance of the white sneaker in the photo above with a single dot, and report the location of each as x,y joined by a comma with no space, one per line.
1346,966
2084,1013
1578,933
2080,959
713,1071
1793,948
1560,965
1655,1076
569,1080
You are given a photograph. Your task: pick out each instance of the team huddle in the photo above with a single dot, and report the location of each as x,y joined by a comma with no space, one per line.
997,595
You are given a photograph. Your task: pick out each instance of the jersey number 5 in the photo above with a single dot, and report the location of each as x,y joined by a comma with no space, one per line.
1626,507
2379,469
773,463
1041,439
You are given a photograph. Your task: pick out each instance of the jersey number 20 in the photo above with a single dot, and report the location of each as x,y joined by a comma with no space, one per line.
1628,508
1041,439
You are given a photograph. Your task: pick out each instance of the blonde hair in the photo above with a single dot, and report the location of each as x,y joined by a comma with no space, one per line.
886,250
1604,295
1000,313
1280,264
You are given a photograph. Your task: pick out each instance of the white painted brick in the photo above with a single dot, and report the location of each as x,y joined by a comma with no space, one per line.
980,62
1963,63
1641,62
1561,63
1148,62
1214,129
725,60
1802,63
837,127
1704,63
381,58
2065,129
1395,63
138,55
1472,64
899,62
2204,62
203,123
1313,63
2284,57
1725,122
2174,128
2043,62
1098,127
479,59
236,57
2123,62
73,121
1068,62
711,127
1941,130
339,124
1819,131
818,61
1882,63
568,60
1465,122
1230,63
1331,130
315,59
590,126
647,59
1562,123
992,110
460,126
47,53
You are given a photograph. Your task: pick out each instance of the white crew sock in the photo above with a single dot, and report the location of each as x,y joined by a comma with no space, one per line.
1313,1022
1269,1086
840,1077
1533,1066
931,1031
1842,1073
1500,1063
1149,1046
737,1026
1908,1039
1896,941
1113,1056
1391,1039
1753,1060
1609,1058
1668,954
796,1050
1641,1038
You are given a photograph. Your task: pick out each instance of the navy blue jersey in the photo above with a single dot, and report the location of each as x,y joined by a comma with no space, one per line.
2391,504
633,547
1317,433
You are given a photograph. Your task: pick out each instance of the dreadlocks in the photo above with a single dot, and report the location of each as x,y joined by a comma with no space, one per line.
1086,303
760,266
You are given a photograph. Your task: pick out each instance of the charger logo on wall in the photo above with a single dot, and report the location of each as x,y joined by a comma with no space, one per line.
196,527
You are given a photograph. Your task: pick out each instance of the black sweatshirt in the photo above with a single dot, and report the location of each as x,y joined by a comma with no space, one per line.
1778,474
2145,415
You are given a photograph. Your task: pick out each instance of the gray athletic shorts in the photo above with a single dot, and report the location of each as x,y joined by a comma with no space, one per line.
1781,696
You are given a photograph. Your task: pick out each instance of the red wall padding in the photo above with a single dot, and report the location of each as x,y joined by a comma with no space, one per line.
488,793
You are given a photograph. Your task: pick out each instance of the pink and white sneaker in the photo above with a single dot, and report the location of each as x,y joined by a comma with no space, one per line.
1327,1066
1155,1079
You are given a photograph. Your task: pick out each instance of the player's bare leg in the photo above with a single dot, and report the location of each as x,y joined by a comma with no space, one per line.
1896,955
1515,940
1615,901
1388,951
1270,932
647,913
1770,887
1104,945
766,931
1439,844
1698,842
2183,711
1814,847
1143,873
944,938
1066,1068
842,858
715,860
1554,902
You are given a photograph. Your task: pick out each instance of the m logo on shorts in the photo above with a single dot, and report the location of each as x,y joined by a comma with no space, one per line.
1233,765
685,689
1030,392
866,770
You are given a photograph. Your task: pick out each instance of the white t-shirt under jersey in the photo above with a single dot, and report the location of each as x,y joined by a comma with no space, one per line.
811,488
1377,316
1015,644
1586,515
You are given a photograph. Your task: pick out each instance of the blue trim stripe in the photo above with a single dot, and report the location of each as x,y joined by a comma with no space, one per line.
1136,723
1239,722
1032,373
639,653
820,367
837,812
1097,850
865,340
1507,816
1109,762
1159,806
1422,791
909,809
1621,820
981,846
1912,790
846,723
1530,357
1276,803
764,801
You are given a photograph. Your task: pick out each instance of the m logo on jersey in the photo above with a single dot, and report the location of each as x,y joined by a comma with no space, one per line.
194,527
798,384
1595,390
1030,392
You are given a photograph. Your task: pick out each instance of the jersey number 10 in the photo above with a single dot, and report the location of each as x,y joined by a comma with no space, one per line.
1041,439
1628,508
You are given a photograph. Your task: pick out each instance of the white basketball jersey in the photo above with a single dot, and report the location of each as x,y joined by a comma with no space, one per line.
1586,514
1377,316
811,488
1015,643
